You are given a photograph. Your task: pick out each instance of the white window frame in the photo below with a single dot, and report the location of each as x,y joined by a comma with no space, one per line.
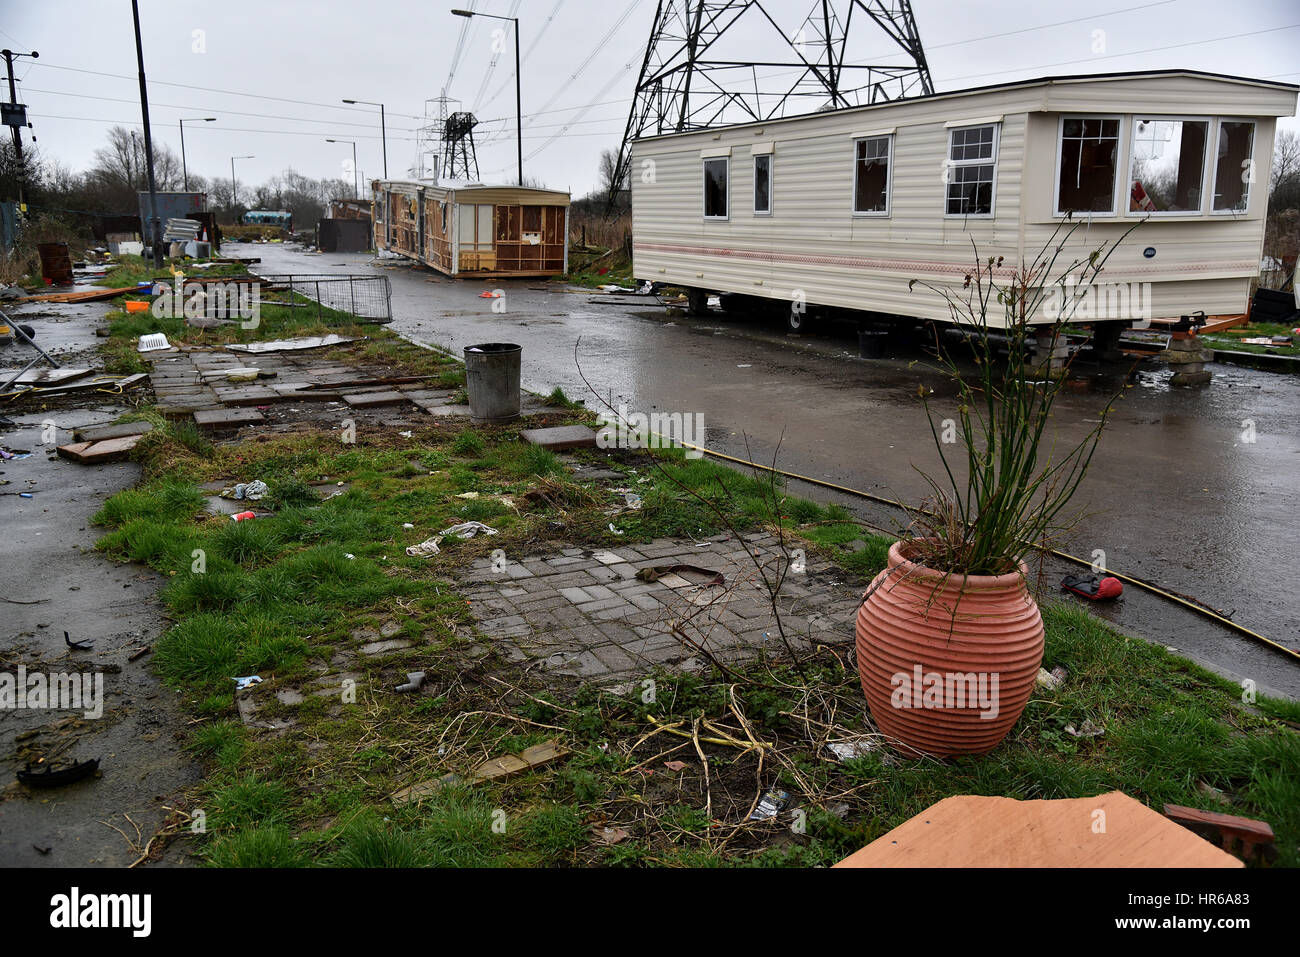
1119,194
1132,156
1214,164
771,176
951,164
704,164
889,177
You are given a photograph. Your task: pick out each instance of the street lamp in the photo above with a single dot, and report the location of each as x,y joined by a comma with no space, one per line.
519,122
383,128
185,173
356,187
234,186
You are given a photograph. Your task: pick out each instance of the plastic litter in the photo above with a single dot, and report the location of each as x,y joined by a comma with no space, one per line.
464,530
857,748
252,491
414,681
1085,730
152,342
246,682
770,805
243,516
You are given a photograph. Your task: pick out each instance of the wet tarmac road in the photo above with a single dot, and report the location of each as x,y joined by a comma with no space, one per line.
1179,493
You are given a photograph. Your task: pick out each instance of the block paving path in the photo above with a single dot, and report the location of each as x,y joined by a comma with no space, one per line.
585,613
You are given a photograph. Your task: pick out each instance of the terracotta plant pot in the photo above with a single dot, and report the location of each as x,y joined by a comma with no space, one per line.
942,683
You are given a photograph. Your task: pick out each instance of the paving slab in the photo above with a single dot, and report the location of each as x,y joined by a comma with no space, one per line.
367,400
561,437
227,418
96,433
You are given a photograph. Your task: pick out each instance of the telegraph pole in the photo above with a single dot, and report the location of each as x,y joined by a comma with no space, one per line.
156,226
16,118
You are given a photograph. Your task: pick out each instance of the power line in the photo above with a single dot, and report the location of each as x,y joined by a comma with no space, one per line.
209,89
600,45
537,38
135,124
179,106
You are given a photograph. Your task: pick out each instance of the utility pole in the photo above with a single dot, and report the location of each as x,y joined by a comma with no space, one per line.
185,172
156,231
16,118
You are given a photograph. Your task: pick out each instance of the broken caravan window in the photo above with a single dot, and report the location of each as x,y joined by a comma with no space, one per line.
1233,170
763,184
1168,165
1089,163
871,162
715,188
972,169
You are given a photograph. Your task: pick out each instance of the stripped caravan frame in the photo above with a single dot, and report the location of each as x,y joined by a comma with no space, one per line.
474,230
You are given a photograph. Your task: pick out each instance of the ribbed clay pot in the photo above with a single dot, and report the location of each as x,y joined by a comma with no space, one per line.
907,623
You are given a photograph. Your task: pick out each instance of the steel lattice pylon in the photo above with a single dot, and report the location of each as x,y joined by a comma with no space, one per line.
689,82
458,154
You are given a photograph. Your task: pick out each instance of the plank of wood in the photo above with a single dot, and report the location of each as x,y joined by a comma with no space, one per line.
96,433
105,450
1110,830
48,376
89,295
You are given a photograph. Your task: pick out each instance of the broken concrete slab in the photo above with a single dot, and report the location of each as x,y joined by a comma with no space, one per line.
368,400
116,430
291,345
561,437
227,418
93,453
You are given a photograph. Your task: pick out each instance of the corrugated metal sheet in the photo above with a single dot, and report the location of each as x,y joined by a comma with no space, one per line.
813,246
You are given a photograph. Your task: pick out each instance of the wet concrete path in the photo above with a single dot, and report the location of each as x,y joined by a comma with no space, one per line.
1176,495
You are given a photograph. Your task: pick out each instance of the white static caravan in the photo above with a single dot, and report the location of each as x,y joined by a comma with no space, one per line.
473,230
844,208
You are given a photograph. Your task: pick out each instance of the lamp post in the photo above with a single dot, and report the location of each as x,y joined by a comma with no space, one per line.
185,173
356,188
383,128
234,186
519,122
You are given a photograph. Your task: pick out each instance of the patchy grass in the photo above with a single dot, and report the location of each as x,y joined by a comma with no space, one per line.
1231,339
291,597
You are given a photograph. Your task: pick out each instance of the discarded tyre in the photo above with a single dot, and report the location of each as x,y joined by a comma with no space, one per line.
947,665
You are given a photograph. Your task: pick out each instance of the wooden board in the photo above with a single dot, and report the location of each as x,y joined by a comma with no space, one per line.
106,450
96,433
491,770
89,295
973,831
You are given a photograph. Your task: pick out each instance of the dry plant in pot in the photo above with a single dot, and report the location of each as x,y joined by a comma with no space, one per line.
949,639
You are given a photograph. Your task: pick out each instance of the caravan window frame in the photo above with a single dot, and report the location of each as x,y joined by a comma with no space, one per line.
1214,162
1200,210
726,188
951,164
1118,194
889,176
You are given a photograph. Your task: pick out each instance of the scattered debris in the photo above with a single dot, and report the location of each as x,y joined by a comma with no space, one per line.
770,806
1085,730
1093,588
1255,837
291,345
47,777
491,770
252,491
85,645
468,530
246,682
139,653
1051,680
105,450
414,681
856,748
117,430
153,342
675,578
243,516
610,835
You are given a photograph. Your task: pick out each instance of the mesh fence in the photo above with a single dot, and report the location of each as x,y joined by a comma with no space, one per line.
368,298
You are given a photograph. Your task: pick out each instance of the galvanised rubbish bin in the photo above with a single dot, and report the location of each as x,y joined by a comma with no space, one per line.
492,381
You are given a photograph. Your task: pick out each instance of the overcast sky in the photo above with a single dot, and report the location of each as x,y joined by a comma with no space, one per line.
273,72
